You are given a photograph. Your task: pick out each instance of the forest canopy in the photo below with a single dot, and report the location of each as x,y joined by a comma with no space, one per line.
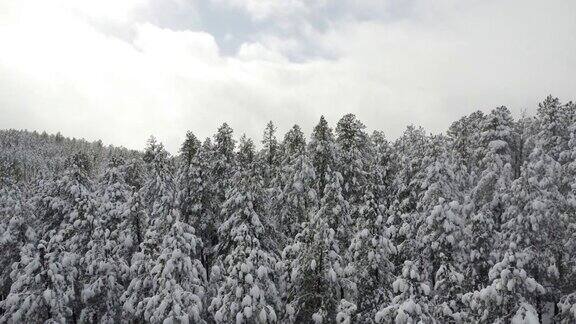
477,225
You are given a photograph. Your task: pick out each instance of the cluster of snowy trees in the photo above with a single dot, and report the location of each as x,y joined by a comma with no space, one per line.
474,226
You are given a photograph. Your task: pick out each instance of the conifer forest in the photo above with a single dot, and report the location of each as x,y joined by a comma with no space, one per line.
474,225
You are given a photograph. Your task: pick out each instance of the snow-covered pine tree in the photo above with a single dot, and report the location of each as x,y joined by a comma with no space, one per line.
323,154
554,120
103,286
566,311
440,236
244,271
107,270
294,142
322,151
197,204
297,197
157,197
270,153
15,229
189,148
465,140
531,245
222,163
355,164
369,254
65,209
411,301
512,293
413,151
384,169
186,178
178,290
490,194
41,291
317,278
158,191
168,279
131,232
355,161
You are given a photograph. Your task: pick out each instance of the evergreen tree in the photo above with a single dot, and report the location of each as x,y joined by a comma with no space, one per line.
158,191
440,234
178,278
245,268
15,230
41,292
270,153
465,139
297,196
317,277
65,209
189,148
106,269
223,161
532,219
197,204
369,254
354,163
158,195
322,152
411,300
407,188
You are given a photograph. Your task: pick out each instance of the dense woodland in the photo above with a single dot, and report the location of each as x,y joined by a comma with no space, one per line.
477,225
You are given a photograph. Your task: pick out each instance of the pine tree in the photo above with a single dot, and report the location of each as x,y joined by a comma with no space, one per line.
244,270
512,293
103,282
531,220
15,230
41,292
189,148
197,204
490,194
179,279
159,197
413,155
65,209
107,270
122,200
440,233
554,121
384,169
131,233
322,152
465,139
270,153
317,277
566,306
369,254
354,163
159,189
223,161
297,196
411,301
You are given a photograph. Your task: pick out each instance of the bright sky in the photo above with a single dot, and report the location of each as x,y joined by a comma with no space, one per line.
123,70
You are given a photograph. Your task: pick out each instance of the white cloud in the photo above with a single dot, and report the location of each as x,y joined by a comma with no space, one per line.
61,73
265,9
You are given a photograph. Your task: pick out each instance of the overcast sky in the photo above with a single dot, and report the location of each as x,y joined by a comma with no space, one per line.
123,70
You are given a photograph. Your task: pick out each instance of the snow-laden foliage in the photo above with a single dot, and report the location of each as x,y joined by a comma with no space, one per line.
475,226
314,265
244,270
